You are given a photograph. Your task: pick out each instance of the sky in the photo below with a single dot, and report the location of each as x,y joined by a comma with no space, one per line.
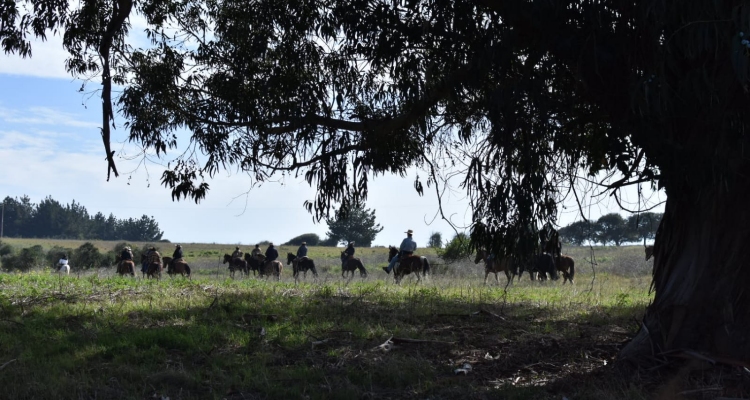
50,146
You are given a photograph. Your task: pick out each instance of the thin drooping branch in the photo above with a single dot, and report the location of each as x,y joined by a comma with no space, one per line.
120,12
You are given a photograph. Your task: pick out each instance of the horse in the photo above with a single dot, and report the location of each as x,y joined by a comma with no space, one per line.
352,265
302,264
126,267
649,252
268,268
545,264
175,267
408,264
567,266
255,263
153,268
236,264
63,269
502,264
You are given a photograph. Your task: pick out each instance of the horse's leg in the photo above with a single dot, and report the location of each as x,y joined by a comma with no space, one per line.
486,274
507,275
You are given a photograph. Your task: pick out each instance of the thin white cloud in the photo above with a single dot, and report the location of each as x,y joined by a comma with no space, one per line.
44,116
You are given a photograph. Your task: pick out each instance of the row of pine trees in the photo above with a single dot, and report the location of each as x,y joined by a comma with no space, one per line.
51,219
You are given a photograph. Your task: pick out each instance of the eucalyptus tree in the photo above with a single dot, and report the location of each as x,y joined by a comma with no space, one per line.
513,97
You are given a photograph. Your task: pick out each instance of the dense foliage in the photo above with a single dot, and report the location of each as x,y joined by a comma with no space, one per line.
312,239
50,219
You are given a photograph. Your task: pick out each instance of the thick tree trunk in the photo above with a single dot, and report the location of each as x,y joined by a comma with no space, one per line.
701,276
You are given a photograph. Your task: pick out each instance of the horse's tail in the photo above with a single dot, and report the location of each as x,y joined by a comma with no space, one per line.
312,268
425,266
187,269
572,270
361,267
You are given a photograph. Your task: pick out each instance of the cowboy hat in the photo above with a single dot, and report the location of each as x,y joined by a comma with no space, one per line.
305,243
177,245
237,248
409,232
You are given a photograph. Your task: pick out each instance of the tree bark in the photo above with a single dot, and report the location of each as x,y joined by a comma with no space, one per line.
700,278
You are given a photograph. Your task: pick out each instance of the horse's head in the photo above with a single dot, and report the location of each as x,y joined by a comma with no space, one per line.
392,251
649,252
227,258
480,256
290,257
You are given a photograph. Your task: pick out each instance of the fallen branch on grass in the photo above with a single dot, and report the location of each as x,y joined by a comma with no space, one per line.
2,367
391,343
485,312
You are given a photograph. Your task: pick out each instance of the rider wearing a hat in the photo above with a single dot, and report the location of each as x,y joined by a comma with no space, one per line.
237,253
407,248
256,251
176,256
302,250
271,253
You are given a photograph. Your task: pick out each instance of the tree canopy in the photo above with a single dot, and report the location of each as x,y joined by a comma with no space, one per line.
353,225
515,98
51,219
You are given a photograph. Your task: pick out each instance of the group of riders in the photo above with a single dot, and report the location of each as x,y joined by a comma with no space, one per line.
407,248
152,257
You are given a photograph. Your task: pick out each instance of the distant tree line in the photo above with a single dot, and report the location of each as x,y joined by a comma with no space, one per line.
51,219
613,229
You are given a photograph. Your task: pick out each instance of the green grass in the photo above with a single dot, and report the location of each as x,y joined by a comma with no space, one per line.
96,335
116,337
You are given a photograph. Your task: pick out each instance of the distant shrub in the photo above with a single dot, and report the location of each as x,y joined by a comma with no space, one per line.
311,239
6,249
26,259
88,256
55,254
457,249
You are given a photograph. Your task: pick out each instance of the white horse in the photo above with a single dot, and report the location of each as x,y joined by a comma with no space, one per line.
63,268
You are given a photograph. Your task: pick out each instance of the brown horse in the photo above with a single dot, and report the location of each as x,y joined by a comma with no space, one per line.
302,264
236,264
408,264
567,266
269,268
126,267
495,265
153,267
175,267
351,265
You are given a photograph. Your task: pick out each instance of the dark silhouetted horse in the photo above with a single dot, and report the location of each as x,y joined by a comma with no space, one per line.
302,264
351,265
408,264
649,252
175,267
255,263
545,265
501,264
235,264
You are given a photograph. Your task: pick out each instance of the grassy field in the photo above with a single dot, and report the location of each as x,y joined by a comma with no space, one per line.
97,336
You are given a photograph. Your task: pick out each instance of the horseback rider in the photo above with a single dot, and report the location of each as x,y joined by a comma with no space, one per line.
176,256
348,253
62,261
271,253
144,267
152,257
237,253
256,251
407,248
126,255
302,251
